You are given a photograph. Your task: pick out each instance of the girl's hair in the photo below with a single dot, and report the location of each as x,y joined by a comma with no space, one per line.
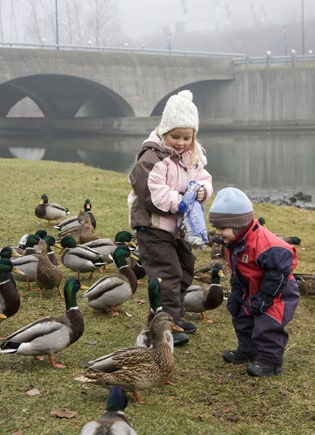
198,150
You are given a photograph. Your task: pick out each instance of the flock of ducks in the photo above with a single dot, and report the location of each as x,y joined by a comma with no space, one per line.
149,362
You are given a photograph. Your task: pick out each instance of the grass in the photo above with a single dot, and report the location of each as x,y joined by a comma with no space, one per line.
210,396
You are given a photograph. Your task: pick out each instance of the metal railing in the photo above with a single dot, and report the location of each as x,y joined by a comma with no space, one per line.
237,58
270,60
125,49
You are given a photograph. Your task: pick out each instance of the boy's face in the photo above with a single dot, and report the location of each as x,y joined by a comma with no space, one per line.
226,234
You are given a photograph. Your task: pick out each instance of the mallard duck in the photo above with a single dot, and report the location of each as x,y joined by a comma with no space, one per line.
137,368
49,335
80,259
9,253
70,223
27,244
137,267
48,275
292,240
9,296
200,299
82,233
87,231
75,221
106,246
50,241
110,291
88,209
203,273
28,265
113,421
144,338
306,283
49,210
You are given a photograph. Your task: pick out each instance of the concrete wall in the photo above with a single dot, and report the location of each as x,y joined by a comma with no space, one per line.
277,95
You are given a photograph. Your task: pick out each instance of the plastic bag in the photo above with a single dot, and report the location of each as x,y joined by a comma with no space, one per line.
191,222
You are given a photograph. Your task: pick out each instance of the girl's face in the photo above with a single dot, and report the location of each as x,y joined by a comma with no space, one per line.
180,139
226,234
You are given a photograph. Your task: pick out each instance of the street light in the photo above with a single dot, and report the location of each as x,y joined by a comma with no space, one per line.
285,40
302,27
268,58
57,27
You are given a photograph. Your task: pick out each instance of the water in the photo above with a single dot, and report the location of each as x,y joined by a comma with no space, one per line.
265,163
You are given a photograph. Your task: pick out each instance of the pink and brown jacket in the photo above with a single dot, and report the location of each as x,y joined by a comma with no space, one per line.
159,179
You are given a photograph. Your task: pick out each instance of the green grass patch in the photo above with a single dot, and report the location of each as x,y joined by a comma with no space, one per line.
210,396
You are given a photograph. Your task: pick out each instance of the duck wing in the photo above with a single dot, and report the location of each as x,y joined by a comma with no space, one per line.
107,292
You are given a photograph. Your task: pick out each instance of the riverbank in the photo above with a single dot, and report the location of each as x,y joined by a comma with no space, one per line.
299,199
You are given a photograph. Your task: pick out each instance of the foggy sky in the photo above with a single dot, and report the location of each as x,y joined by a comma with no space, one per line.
140,18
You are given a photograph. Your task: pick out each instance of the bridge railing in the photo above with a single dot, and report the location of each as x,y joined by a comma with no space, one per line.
270,60
124,49
237,58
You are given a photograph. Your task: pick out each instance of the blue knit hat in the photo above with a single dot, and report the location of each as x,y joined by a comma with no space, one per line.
231,208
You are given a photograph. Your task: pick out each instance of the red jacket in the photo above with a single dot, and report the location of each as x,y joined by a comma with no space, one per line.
262,262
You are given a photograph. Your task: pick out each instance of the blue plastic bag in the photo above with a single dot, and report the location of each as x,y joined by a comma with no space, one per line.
191,222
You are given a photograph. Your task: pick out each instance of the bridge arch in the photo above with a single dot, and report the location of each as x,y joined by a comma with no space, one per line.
204,93
64,96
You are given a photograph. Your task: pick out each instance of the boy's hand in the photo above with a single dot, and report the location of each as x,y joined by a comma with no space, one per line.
260,302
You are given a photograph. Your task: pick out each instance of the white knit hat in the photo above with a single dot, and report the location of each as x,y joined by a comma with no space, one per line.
179,112
231,208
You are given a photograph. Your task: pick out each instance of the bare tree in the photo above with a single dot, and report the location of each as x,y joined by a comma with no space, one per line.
100,22
40,21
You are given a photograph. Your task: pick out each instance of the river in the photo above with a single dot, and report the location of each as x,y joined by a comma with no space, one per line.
261,163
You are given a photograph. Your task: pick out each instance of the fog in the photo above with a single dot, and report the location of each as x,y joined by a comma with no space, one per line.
247,26
143,17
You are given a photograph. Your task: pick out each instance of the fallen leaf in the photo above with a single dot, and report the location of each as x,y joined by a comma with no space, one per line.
33,392
83,378
19,432
63,413
140,301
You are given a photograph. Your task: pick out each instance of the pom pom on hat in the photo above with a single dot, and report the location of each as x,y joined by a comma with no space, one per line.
179,112
231,208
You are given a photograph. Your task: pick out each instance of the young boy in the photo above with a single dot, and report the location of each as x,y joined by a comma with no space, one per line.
264,292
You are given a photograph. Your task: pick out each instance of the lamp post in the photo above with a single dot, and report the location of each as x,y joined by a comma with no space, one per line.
285,40
268,58
57,26
302,27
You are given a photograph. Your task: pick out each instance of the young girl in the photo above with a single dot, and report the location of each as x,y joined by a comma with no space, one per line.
264,292
168,160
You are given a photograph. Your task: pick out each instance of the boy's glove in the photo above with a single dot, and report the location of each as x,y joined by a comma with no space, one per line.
260,302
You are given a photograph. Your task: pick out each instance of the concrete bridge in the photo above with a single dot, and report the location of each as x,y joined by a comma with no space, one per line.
100,84
113,90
